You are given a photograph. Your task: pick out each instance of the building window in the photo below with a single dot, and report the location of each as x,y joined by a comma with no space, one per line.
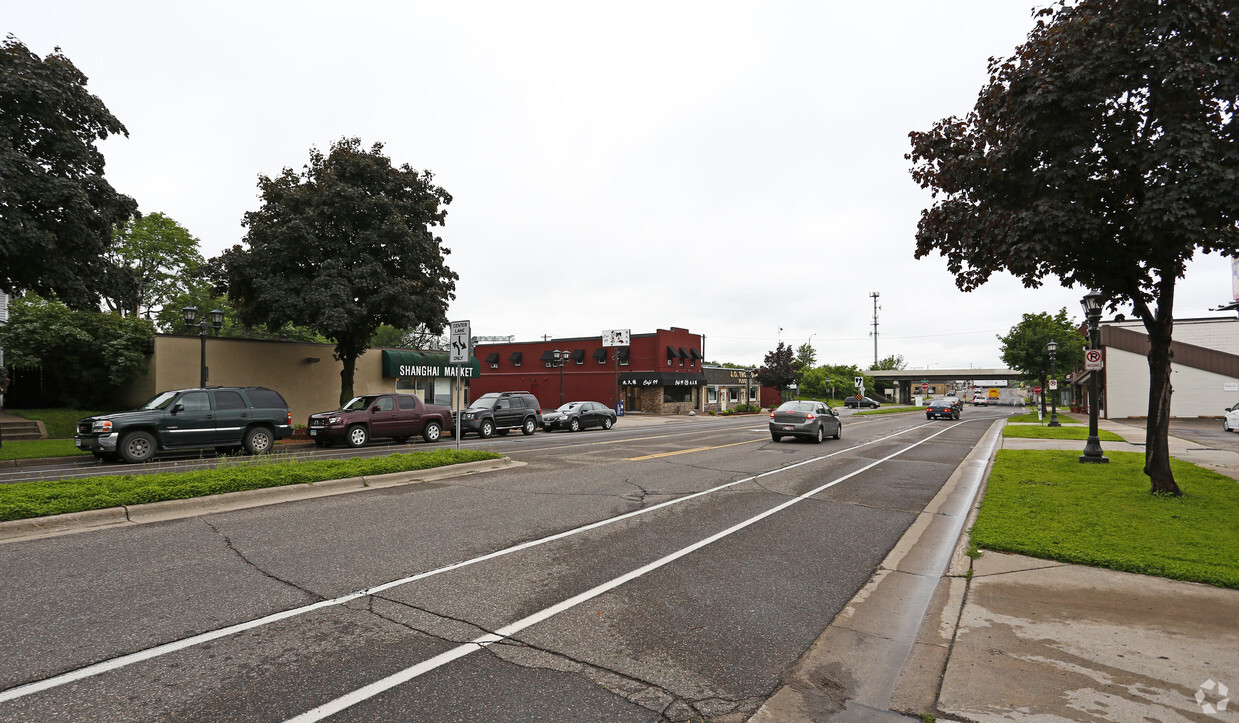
677,394
712,395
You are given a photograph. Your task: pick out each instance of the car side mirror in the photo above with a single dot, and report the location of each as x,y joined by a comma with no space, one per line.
374,409
178,408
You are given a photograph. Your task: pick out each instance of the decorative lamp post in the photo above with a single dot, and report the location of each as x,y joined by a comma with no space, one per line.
1092,303
561,358
1052,346
190,313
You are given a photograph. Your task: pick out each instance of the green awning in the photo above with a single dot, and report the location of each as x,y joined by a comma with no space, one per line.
426,364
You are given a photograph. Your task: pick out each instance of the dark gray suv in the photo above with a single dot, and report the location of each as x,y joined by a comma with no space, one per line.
225,418
500,413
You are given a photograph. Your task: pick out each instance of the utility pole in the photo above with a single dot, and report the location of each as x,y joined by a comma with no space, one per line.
874,294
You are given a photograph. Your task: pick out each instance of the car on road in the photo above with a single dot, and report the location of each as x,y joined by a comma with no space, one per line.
805,418
500,413
944,408
575,416
398,416
853,402
226,418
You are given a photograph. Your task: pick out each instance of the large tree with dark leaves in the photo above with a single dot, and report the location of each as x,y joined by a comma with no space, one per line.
56,210
342,247
779,369
1105,152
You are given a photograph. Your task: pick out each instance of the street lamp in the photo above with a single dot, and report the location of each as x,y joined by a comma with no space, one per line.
560,358
217,320
1092,303
1052,346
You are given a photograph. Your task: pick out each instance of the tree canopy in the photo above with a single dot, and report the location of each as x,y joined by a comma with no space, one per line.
1104,152
150,262
1024,348
344,246
778,370
894,362
57,210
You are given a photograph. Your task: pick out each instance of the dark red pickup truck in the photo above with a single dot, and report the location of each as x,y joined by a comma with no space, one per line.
398,416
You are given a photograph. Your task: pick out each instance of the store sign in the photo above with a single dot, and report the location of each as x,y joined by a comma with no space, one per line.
661,379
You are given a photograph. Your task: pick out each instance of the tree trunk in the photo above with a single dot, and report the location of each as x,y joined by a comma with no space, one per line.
347,372
1157,430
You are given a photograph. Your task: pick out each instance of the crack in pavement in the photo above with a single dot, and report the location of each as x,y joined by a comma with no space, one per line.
249,562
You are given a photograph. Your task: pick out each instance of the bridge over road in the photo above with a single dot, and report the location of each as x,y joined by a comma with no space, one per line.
939,380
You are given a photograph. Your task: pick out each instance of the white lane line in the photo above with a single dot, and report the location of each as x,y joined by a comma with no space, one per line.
159,650
362,694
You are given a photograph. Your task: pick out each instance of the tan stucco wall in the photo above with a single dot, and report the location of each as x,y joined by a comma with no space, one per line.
280,365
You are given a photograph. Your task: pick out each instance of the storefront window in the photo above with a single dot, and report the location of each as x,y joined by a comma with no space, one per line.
677,394
712,395
431,391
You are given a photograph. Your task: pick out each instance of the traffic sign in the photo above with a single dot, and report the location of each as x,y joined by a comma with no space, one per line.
1053,384
859,382
461,343
924,386
1037,389
1092,359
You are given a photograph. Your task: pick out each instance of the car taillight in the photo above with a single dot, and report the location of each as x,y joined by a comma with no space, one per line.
290,419
772,415
809,416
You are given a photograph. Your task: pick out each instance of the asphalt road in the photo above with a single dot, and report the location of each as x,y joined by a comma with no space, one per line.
663,572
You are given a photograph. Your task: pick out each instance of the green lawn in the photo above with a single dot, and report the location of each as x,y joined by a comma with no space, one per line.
1032,419
60,423
1032,431
37,448
37,499
1046,504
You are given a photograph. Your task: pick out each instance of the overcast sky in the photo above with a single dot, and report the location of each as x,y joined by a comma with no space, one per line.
733,168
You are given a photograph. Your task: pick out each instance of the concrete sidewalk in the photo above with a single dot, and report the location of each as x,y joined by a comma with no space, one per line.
1008,637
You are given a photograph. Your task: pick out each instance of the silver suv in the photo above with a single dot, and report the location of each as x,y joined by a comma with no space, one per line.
500,413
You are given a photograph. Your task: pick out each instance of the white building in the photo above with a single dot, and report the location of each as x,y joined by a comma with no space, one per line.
1204,370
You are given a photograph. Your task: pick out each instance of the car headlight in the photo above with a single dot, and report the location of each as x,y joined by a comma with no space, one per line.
333,420
101,425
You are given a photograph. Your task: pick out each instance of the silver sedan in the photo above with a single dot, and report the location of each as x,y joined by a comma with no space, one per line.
805,418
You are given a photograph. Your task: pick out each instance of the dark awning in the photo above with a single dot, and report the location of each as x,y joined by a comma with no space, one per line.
683,354
621,353
426,364
515,358
695,354
672,353
578,355
661,379
492,358
601,354
548,356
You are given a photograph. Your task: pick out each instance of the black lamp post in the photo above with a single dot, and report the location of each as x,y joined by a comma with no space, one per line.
561,358
217,320
1052,346
1092,303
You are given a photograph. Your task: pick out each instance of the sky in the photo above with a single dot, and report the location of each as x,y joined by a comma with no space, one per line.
732,168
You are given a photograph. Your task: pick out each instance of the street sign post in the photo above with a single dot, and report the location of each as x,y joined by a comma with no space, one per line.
461,348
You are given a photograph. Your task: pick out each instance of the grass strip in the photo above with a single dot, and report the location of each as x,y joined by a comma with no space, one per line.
1030,431
1032,419
38,448
53,497
1046,504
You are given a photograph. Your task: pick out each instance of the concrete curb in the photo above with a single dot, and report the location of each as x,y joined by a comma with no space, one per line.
55,525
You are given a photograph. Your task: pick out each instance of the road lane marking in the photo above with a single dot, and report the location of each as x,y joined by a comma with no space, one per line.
686,451
177,645
378,687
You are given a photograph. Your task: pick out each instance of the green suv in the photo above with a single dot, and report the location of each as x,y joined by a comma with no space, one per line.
226,418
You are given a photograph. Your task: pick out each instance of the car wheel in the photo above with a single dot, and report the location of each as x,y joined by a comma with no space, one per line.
357,436
258,440
821,434
957,415
839,430
137,447
529,427
606,423
486,429
432,432
1226,425
776,437
574,425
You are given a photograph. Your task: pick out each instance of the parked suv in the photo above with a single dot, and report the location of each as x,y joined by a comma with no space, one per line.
225,418
398,416
501,412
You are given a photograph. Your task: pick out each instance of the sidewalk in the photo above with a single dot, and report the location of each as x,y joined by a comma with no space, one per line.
1008,637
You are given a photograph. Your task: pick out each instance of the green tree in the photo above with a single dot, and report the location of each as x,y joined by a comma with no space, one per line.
57,210
1105,153
150,260
779,370
171,319
419,338
894,362
829,380
342,247
84,356
1024,347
